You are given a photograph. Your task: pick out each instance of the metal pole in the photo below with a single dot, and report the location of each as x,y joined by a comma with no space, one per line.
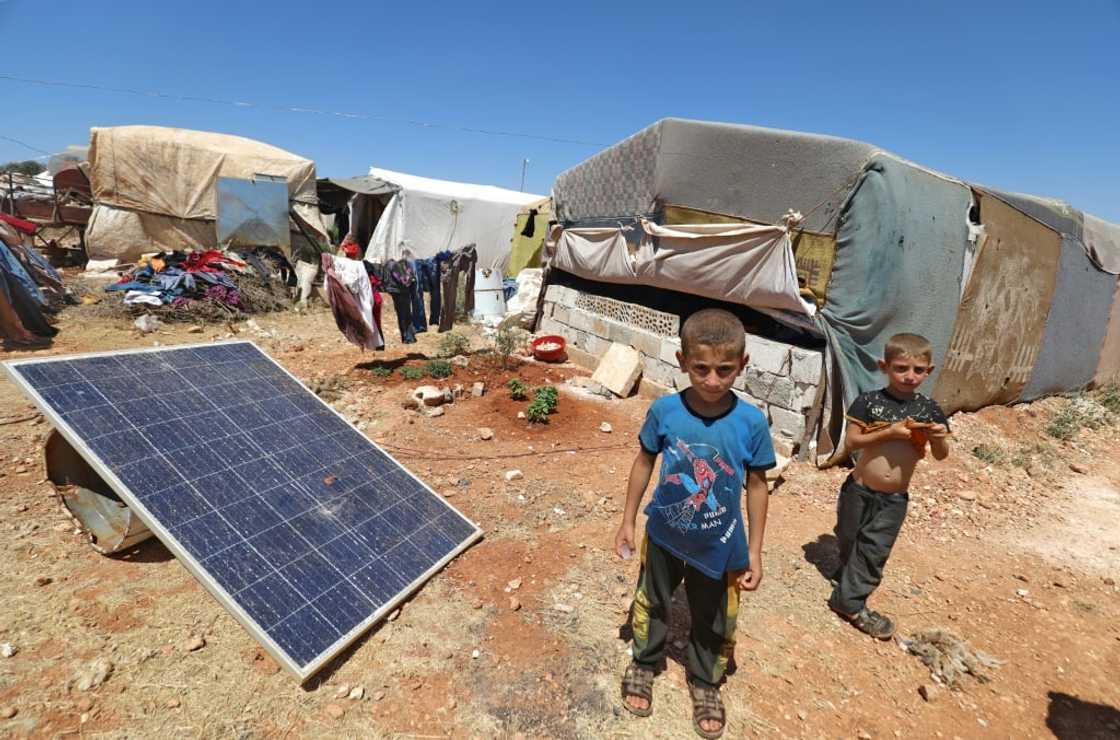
524,164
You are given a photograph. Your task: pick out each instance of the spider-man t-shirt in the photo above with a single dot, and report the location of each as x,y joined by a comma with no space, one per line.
696,512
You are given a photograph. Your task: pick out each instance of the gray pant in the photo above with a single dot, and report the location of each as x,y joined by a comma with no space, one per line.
867,525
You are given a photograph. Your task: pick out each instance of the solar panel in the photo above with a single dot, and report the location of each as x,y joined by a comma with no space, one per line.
306,531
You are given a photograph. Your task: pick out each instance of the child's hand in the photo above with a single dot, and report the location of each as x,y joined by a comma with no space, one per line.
898,430
749,579
938,431
624,541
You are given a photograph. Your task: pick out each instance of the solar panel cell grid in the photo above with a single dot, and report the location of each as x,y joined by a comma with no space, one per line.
292,518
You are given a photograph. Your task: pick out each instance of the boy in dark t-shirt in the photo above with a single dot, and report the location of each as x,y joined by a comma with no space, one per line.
890,429
712,446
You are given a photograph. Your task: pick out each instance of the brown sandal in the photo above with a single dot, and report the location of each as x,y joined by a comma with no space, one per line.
707,705
638,681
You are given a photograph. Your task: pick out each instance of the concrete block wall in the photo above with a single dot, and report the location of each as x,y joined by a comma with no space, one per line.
781,379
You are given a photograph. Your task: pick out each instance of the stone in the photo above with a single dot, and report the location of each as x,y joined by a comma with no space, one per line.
378,695
1079,468
84,704
767,355
196,329
195,642
514,604
357,693
8,712
335,711
806,366
930,692
515,474
967,495
619,369
786,423
485,433
460,361
775,472
478,389
7,649
428,395
475,654
437,411
94,674
341,691
863,735
605,428
458,391
44,581
771,388
173,703
520,414
591,386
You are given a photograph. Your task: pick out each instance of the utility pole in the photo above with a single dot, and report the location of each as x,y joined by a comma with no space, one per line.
524,164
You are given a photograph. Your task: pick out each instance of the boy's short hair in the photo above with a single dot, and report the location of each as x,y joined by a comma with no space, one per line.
911,345
713,327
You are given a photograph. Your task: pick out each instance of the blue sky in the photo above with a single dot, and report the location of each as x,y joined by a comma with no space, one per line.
1021,96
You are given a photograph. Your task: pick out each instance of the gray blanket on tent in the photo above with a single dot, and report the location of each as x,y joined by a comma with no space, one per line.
900,248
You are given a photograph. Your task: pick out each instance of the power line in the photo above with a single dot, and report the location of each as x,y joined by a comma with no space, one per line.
27,146
295,109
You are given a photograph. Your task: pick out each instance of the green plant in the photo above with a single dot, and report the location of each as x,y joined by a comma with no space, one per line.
439,368
548,395
412,372
453,343
381,372
538,411
989,455
1109,397
508,340
517,389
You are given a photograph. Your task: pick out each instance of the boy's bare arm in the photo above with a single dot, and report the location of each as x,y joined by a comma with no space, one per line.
857,439
640,473
939,441
758,501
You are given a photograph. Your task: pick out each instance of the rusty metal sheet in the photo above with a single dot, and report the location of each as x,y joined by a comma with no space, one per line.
998,332
1108,368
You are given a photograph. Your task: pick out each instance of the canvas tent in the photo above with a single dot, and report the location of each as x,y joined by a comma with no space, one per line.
426,216
155,188
1017,294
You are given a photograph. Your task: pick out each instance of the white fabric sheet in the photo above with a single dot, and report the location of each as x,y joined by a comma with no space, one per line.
352,274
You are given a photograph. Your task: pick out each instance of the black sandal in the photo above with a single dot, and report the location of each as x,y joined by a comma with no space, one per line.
638,681
707,705
871,623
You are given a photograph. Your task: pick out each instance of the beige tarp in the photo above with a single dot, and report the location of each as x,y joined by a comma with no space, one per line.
1102,240
1002,316
153,182
1108,369
747,264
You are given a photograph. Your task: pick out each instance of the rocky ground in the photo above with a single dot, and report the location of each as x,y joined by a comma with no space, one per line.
1013,544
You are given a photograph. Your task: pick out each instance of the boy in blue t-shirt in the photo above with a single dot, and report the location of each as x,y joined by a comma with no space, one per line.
712,445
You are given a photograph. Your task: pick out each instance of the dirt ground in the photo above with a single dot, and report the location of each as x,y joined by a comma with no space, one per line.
520,636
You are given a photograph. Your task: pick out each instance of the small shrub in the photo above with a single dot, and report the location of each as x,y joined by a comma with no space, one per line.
1082,411
548,396
508,340
989,455
381,372
538,411
1109,397
517,389
453,343
439,368
412,372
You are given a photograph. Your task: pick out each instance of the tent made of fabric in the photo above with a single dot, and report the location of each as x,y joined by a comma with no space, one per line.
529,232
156,187
427,216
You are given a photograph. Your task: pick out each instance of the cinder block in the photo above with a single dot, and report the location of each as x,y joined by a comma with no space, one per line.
680,380
601,327
616,332
774,389
619,369
669,350
550,325
579,319
645,342
786,423
768,355
804,395
554,294
594,344
658,372
757,403
806,365
560,313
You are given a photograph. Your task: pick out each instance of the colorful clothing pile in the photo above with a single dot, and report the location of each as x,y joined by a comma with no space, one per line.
29,290
180,278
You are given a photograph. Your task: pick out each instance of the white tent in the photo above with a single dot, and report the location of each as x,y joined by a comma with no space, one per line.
426,216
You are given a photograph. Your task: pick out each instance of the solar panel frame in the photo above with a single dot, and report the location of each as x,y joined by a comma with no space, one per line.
14,368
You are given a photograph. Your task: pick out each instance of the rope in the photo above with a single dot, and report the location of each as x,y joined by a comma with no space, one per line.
428,455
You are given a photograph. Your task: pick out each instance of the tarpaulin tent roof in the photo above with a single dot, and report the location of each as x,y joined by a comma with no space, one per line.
426,216
149,181
903,251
